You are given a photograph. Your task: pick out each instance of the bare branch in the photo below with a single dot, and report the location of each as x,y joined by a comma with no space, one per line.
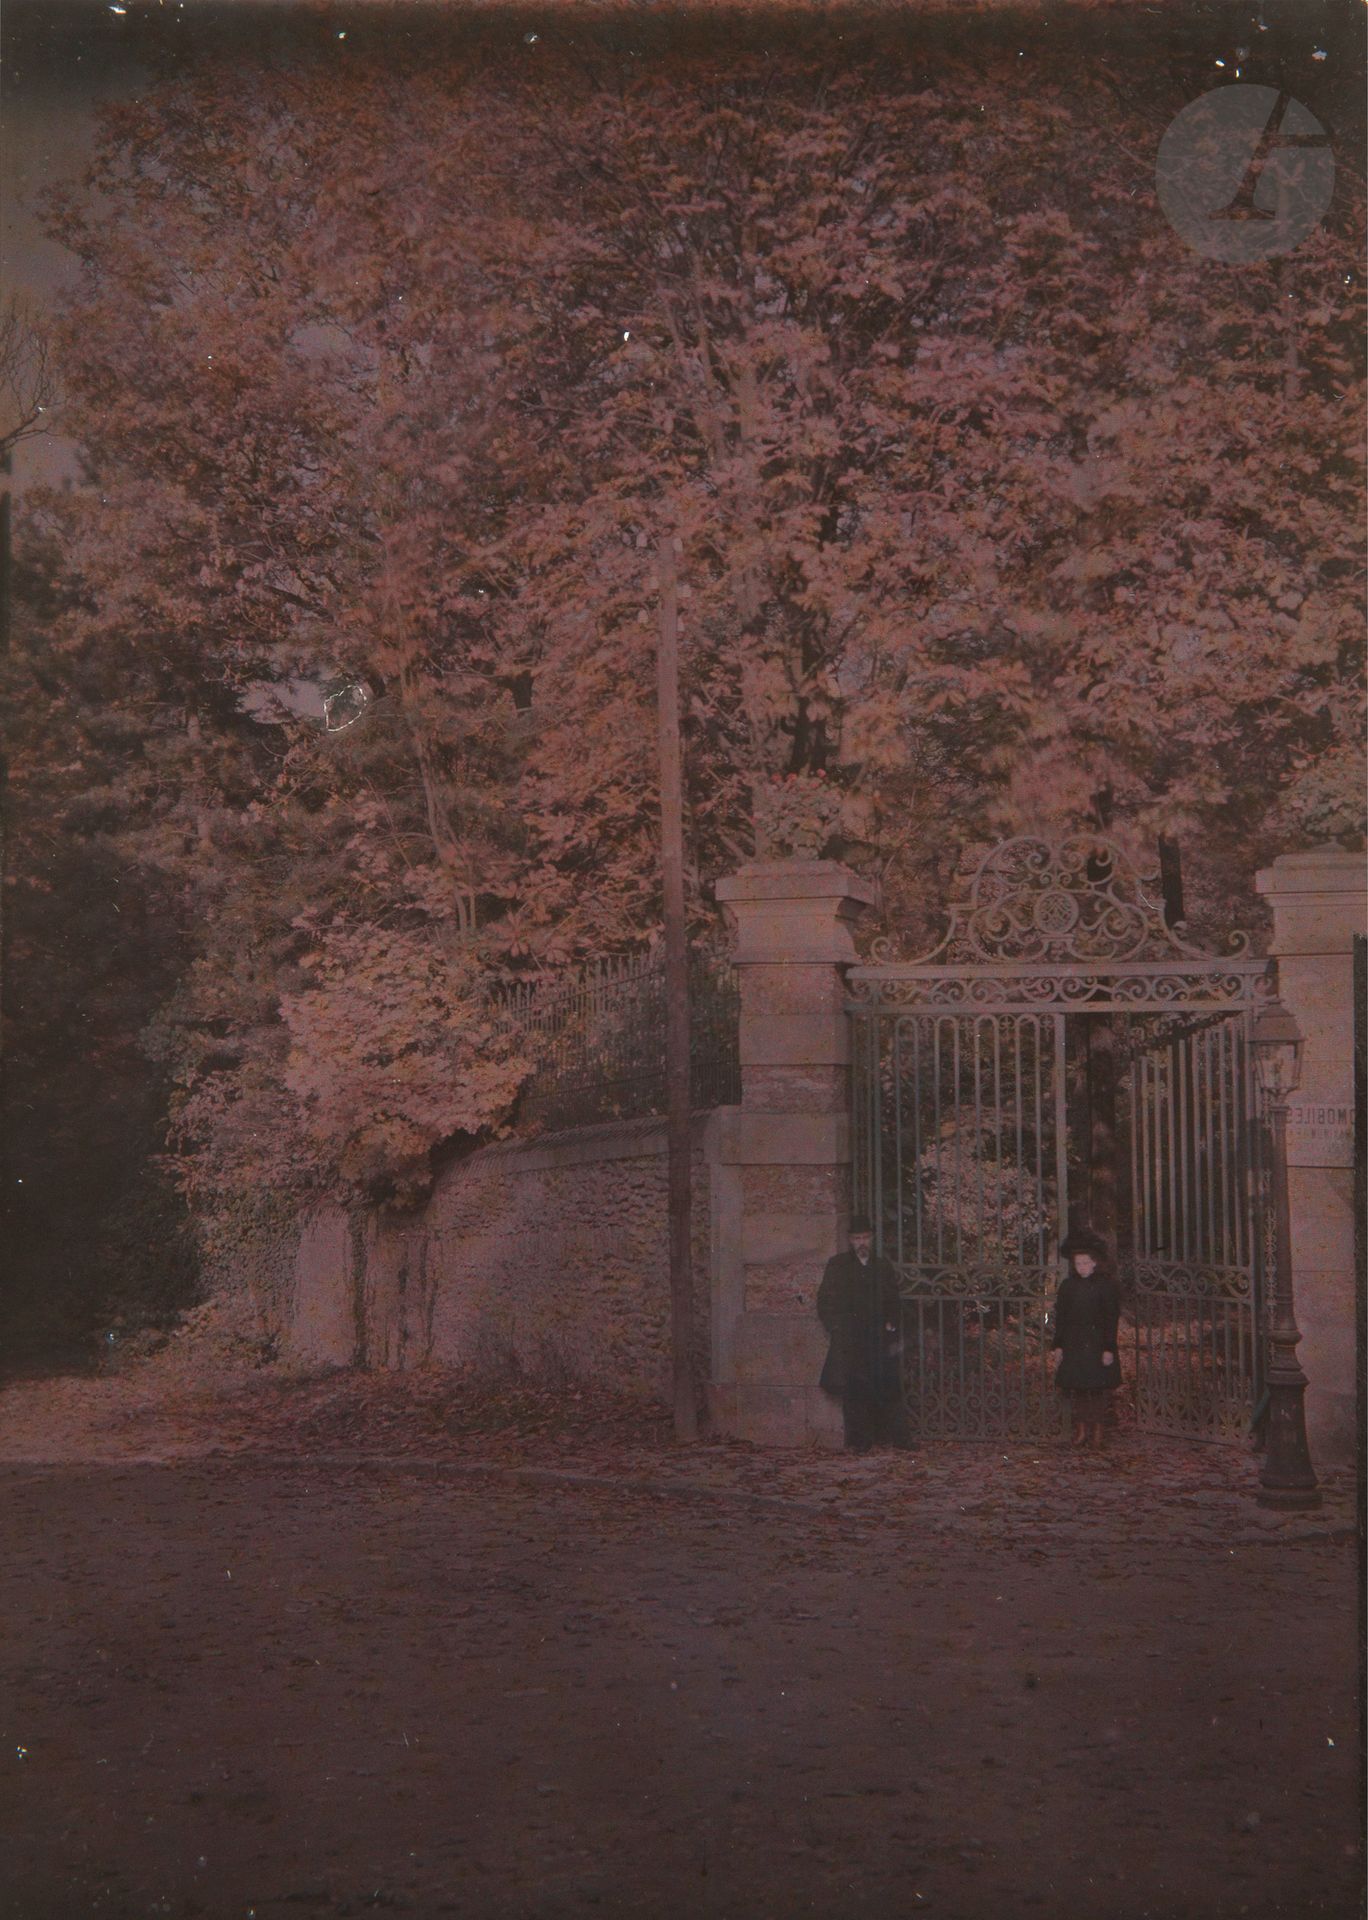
28,383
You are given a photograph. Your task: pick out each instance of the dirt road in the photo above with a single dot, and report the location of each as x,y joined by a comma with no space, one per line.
547,1676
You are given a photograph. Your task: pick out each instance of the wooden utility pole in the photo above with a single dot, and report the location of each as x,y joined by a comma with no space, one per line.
677,1130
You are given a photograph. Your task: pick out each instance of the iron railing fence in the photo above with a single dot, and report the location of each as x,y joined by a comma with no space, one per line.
597,1037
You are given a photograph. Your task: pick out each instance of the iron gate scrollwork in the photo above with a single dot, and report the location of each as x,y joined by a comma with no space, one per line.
1062,1056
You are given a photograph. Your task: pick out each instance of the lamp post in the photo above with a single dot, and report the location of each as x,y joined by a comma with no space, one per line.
1288,1479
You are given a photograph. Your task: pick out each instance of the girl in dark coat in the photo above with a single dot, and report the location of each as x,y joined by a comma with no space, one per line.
1086,1312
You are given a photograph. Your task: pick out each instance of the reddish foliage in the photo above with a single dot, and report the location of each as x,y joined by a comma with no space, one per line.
994,508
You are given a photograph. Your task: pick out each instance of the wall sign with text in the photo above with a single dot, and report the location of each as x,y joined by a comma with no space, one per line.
1320,1133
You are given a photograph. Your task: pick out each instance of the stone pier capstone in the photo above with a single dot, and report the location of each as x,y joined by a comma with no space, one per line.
789,1142
1319,901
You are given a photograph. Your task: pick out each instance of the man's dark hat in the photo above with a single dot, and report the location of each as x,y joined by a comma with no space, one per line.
861,1223
1084,1240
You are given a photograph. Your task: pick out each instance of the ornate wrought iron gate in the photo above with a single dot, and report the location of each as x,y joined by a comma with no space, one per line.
1062,1057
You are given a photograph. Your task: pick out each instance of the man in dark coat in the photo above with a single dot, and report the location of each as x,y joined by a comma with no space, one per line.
857,1303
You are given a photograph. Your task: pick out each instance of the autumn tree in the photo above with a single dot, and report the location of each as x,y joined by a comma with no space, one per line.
997,509
95,1235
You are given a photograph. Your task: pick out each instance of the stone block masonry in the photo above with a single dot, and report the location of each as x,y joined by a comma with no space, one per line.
547,1255
789,1146
1319,901
551,1254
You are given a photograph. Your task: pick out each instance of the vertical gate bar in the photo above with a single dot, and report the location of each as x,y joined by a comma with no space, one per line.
863,1140
865,1057
1242,1197
918,1084
877,1027
1152,1162
1171,1153
959,1138
1213,1151
1037,1076
997,1141
1163,1184
978,1131
1198,1143
1232,1145
1061,1067
1209,1112
1258,1201
1157,1336
1246,1324
1194,1330
1192,1233
1230,1131
1146,1155
899,1161
1182,1308
1251,1134
1178,1056
1223,1117
1020,1160
878,1067
1165,1224
1132,1134
857,1105
866,1053
874,1069
1221,1231
1061,1125
1134,1158
1162,1194
940,1183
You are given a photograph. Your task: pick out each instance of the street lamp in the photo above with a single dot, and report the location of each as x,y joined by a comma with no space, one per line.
1288,1478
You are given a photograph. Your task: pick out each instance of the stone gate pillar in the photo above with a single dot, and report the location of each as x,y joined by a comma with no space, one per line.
788,1145
1319,902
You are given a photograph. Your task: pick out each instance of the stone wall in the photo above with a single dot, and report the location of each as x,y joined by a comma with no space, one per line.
789,1144
549,1255
553,1253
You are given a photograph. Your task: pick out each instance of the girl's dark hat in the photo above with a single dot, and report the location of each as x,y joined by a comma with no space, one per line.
1084,1240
